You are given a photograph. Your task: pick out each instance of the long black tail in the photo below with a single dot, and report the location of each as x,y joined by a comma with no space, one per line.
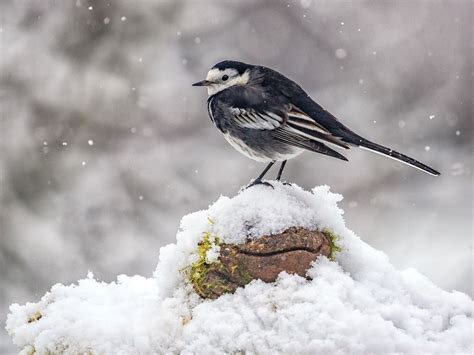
390,153
338,129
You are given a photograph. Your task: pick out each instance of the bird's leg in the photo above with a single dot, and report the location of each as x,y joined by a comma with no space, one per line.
258,180
282,166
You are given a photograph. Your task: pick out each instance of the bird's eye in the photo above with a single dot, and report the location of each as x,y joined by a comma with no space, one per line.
225,77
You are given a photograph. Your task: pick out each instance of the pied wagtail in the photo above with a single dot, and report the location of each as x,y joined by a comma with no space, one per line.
269,118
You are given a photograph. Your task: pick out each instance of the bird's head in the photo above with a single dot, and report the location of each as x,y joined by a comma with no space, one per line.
225,74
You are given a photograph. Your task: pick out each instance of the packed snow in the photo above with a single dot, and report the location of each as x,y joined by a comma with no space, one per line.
358,303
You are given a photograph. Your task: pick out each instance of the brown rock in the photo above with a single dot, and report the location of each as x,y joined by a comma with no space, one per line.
292,251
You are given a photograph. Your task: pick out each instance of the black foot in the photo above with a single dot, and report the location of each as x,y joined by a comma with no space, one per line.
287,183
260,182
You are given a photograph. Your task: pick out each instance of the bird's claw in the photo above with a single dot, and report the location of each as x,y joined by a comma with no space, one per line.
260,182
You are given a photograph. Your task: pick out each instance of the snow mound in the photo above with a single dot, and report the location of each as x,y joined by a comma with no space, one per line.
358,304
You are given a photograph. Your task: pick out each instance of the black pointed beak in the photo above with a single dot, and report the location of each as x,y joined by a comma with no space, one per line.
202,83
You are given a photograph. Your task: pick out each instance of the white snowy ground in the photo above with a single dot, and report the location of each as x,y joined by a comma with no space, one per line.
359,304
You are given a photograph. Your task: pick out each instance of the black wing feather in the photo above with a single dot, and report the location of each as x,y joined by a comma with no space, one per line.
296,140
253,108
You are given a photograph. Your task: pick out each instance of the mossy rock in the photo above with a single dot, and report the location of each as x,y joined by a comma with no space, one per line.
264,258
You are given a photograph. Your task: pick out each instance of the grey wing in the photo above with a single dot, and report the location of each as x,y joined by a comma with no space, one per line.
254,119
288,128
306,115
302,124
299,141
252,109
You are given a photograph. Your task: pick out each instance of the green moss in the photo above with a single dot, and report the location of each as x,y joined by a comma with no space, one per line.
29,349
332,237
197,272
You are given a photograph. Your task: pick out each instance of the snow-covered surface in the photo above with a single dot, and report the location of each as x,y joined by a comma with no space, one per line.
358,304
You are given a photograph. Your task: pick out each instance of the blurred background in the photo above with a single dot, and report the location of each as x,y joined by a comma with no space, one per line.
104,144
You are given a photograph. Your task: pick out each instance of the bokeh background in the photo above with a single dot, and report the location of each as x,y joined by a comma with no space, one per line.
104,144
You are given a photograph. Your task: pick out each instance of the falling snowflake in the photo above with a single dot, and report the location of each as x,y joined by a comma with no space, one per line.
340,53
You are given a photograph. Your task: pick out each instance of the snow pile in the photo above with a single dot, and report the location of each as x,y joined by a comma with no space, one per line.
358,304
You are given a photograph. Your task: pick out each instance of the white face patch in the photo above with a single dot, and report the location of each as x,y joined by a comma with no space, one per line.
218,84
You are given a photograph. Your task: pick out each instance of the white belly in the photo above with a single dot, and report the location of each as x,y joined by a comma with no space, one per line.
258,156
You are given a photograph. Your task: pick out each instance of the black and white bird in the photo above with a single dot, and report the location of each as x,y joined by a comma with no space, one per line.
270,118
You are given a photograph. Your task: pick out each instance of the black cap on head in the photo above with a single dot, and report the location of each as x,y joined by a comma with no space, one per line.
239,66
